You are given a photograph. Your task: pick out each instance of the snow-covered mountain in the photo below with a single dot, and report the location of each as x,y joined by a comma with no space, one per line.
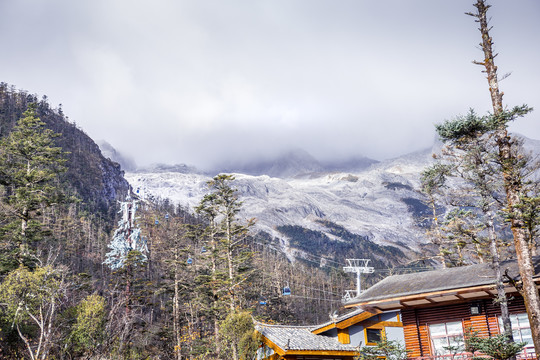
380,203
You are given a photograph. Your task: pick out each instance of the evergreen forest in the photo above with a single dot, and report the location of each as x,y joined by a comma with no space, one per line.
90,270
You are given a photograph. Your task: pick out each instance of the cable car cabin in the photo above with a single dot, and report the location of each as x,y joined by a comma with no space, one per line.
189,261
262,301
203,250
157,222
166,216
286,291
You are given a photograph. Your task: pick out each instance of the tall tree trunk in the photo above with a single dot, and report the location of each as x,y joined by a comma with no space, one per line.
231,278
502,299
216,336
24,244
176,307
512,183
214,279
230,266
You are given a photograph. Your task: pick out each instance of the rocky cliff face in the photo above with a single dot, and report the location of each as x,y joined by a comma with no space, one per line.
108,151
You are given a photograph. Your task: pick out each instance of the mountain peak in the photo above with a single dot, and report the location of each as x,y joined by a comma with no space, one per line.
293,163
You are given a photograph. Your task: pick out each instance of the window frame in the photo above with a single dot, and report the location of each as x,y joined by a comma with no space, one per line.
517,327
447,336
373,327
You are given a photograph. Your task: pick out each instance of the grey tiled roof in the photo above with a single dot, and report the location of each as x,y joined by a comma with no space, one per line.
438,280
300,338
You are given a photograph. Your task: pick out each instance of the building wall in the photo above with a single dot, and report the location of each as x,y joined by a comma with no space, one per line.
416,322
356,333
395,334
390,316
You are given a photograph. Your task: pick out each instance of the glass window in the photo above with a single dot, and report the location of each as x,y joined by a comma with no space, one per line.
373,336
521,329
446,338
437,329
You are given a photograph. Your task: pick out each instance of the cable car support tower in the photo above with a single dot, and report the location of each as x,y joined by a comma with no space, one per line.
357,266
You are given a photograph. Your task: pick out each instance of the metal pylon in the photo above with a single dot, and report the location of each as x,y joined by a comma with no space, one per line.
358,266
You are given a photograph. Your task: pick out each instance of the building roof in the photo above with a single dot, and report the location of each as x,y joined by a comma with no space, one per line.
345,320
436,286
300,338
339,319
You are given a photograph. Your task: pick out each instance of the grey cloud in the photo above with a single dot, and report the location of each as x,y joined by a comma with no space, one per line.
206,81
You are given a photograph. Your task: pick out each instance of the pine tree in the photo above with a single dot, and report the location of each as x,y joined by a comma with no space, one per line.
211,277
230,258
511,167
172,241
512,174
433,180
473,224
29,167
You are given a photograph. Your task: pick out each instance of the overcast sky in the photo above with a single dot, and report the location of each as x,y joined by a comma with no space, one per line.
202,81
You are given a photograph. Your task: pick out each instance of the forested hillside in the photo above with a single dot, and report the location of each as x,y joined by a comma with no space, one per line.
89,270
97,181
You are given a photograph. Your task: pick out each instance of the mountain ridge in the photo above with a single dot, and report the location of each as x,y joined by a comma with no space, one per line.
289,164
380,203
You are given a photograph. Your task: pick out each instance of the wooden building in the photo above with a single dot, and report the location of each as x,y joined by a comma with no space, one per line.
338,339
438,306
299,343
